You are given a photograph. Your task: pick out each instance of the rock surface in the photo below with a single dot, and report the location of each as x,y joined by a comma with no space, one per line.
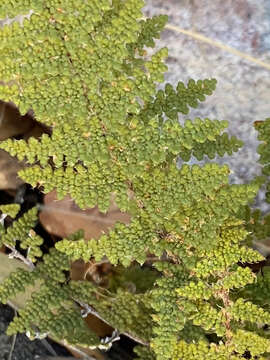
242,94
24,349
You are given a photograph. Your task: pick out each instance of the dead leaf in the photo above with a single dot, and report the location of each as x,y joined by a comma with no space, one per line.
64,217
96,272
12,124
98,326
9,168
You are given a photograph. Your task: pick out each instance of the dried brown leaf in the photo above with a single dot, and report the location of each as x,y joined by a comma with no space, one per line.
64,217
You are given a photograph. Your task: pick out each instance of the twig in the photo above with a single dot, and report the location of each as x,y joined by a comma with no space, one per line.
219,45
80,352
59,358
2,219
13,342
87,309
16,254
108,341
92,266
12,346
49,347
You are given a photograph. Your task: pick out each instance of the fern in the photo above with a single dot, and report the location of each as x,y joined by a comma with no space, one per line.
85,72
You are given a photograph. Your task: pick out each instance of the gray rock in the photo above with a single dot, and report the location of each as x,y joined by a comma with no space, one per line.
242,94
24,348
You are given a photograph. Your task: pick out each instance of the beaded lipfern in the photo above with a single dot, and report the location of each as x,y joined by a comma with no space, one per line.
50,310
87,77
83,68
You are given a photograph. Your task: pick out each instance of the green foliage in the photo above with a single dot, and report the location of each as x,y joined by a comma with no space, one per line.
144,353
258,292
201,350
86,73
263,128
10,209
170,102
100,98
115,309
131,278
20,229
